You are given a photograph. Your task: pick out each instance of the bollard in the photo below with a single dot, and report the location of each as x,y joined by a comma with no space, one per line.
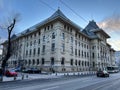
56,74
22,77
26,76
14,77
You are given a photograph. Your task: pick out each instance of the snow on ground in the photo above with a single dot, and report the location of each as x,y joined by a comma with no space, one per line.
26,76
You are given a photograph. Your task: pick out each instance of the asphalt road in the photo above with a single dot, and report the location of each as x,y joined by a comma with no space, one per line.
66,83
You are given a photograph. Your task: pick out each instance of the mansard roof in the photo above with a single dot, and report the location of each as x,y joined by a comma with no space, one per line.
92,28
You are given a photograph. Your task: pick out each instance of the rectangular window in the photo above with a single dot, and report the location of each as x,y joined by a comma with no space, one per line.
39,41
30,52
71,49
38,51
63,36
53,47
76,52
43,49
63,47
43,38
34,51
26,52
71,39
79,52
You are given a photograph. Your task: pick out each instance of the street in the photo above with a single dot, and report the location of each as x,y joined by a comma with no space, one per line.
66,83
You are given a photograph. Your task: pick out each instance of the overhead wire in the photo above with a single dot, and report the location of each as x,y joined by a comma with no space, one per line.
76,13
73,11
47,5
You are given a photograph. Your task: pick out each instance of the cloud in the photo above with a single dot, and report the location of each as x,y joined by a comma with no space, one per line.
115,44
111,23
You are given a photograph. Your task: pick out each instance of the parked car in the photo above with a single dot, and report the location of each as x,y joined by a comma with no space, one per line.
10,73
102,73
17,69
32,70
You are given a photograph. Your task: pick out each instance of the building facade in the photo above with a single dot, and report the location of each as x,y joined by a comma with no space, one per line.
57,44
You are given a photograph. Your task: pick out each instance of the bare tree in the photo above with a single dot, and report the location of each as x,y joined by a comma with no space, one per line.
9,26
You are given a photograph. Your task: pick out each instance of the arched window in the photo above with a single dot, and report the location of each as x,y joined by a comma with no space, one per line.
52,61
63,61
43,61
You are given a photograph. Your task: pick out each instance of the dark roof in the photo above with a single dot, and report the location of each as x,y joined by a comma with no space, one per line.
92,25
92,28
54,16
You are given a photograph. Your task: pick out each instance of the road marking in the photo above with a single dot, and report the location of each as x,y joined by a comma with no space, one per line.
50,88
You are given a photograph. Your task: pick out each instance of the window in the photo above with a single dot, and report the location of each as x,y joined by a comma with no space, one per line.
53,35
27,44
43,49
51,26
48,27
82,53
93,64
93,55
85,54
43,61
43,38
52,61
31,43
38,61
71,49
63,47
39,33
63,61
30,51
75,42
26,52
34,51
76,52
71,61
35,35
79,62
71,39
33,61
39,41
29,62
76,62
38,51
82,63
64,26
63,36
34,42
79,52
53,47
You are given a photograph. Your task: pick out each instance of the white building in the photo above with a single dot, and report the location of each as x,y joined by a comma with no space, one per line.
59,44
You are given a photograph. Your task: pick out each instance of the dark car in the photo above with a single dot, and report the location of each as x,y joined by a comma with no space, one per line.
10,73
102,73
32,70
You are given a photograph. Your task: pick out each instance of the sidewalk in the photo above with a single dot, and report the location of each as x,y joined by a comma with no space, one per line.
25,76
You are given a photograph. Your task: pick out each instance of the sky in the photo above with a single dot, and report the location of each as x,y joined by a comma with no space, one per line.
106,13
